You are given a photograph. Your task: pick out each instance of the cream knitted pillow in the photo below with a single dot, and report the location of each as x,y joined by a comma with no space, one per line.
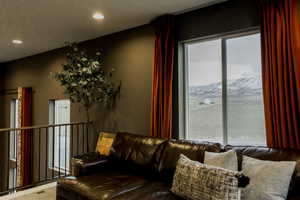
197,181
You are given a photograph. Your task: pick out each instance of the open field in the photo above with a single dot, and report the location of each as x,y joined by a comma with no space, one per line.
245,120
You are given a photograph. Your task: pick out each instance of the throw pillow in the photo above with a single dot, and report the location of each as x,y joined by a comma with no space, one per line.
226,160
197,181
269,179
104,143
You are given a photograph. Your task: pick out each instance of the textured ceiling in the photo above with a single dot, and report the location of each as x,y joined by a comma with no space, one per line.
44,25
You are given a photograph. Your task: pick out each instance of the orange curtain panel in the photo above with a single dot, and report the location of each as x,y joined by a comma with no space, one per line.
25,137
280,39
161,104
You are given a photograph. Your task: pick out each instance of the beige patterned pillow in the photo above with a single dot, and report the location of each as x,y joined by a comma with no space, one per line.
197,181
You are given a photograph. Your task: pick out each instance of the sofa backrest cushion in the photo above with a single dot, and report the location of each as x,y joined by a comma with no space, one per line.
264,153
136,150
192,149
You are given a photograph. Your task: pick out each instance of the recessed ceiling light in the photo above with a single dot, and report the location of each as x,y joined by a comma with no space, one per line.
17,41
98,16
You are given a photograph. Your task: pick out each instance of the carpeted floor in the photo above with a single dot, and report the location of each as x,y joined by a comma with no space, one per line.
45,192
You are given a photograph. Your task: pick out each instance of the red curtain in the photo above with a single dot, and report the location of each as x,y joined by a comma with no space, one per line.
161,104
281,71
26,136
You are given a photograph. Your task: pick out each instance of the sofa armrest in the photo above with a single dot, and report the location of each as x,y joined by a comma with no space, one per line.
293,197
87,163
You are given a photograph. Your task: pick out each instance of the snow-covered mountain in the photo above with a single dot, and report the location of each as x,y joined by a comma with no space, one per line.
247,86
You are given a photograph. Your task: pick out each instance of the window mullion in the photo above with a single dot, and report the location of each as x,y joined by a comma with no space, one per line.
186,92
224,92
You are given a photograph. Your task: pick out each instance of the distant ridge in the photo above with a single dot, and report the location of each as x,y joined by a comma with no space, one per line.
246,86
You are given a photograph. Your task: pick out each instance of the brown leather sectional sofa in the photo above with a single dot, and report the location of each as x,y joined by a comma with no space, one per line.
141,168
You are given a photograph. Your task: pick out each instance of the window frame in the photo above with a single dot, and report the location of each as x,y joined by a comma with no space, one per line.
51,131
183,72
14,123
14,117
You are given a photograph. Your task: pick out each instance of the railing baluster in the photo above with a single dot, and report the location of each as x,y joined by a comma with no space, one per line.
87,137
8,159
14,155
18,132
53,152
46,153
77,151
59,151
30,132
82,129
71,141
66,131
39,154
71,147
13,178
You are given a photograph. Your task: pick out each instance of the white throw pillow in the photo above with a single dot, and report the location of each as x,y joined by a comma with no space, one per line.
269,180
226,160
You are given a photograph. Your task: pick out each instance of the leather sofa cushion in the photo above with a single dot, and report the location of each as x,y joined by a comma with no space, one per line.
117,185
264,153
150,191
136,149
102,185
193,150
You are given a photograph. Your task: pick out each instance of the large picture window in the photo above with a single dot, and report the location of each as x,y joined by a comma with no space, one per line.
222,90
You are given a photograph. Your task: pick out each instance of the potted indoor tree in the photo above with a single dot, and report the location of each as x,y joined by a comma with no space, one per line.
85,80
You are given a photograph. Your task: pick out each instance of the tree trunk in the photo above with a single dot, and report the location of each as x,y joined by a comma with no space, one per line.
87,114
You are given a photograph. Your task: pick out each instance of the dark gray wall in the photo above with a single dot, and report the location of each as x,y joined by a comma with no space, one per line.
129,52
229,16
1,88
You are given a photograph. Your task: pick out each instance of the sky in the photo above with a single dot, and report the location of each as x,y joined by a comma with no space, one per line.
205,59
